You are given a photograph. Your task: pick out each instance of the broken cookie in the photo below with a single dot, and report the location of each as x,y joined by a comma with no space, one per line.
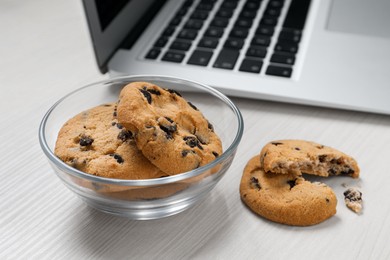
300,156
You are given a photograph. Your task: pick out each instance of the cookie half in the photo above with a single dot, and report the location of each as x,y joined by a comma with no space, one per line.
94,142
299,156
285,198
170,131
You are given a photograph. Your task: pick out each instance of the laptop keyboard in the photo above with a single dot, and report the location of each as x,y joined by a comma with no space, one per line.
251,36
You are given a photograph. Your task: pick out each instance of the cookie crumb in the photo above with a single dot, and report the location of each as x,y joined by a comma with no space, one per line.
353,199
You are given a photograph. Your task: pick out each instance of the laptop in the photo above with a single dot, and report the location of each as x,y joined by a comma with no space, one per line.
329,53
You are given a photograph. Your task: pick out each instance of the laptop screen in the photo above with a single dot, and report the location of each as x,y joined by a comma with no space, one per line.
108,9
116,24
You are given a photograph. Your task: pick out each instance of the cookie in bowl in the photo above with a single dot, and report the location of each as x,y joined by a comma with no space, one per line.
169,130
94,142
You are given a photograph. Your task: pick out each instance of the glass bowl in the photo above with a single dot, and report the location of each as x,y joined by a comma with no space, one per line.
146,198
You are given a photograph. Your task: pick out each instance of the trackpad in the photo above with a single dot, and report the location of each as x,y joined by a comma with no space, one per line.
367,17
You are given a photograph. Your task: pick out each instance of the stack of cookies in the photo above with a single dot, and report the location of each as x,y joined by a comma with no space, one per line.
151,132
272,184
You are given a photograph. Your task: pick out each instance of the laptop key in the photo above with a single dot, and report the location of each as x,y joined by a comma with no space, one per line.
250,14
239,32
200,57
182,11
286,46
169,31
261,40
280,71
251,5
269,11
205,6
226,59
210,43
257,52
175,21
249,65
180,45
199,15
219,22
229,4
173,56
275,4
234,43
214,32
187,34
292,35
244,22
265,30
193,24
269,20
161,42
153,54
224,13
285,58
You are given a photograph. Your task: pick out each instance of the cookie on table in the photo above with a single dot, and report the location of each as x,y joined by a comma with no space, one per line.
299,156
285,198
94,142
171,132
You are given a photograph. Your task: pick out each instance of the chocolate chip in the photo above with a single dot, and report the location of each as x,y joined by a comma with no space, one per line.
254,182
85,140
327,200
124,135
215,154
353,194
332,171
146,95
185,152
322,158
169,130
174,92
210,126
292,183
276,143
117,157
191,141
320,146
153,91
113,123
192,105
170,120
297,148
114,114
347,171
336,161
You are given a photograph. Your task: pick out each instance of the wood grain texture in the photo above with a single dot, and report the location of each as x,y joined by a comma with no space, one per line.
46,52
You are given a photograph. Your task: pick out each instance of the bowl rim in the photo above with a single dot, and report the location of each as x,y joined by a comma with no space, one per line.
142,182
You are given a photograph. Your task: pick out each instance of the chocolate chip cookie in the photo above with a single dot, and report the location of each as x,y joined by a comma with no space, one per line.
285,198
94,142
299,156
170,131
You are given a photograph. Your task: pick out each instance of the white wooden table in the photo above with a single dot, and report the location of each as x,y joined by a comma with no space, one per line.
45,52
